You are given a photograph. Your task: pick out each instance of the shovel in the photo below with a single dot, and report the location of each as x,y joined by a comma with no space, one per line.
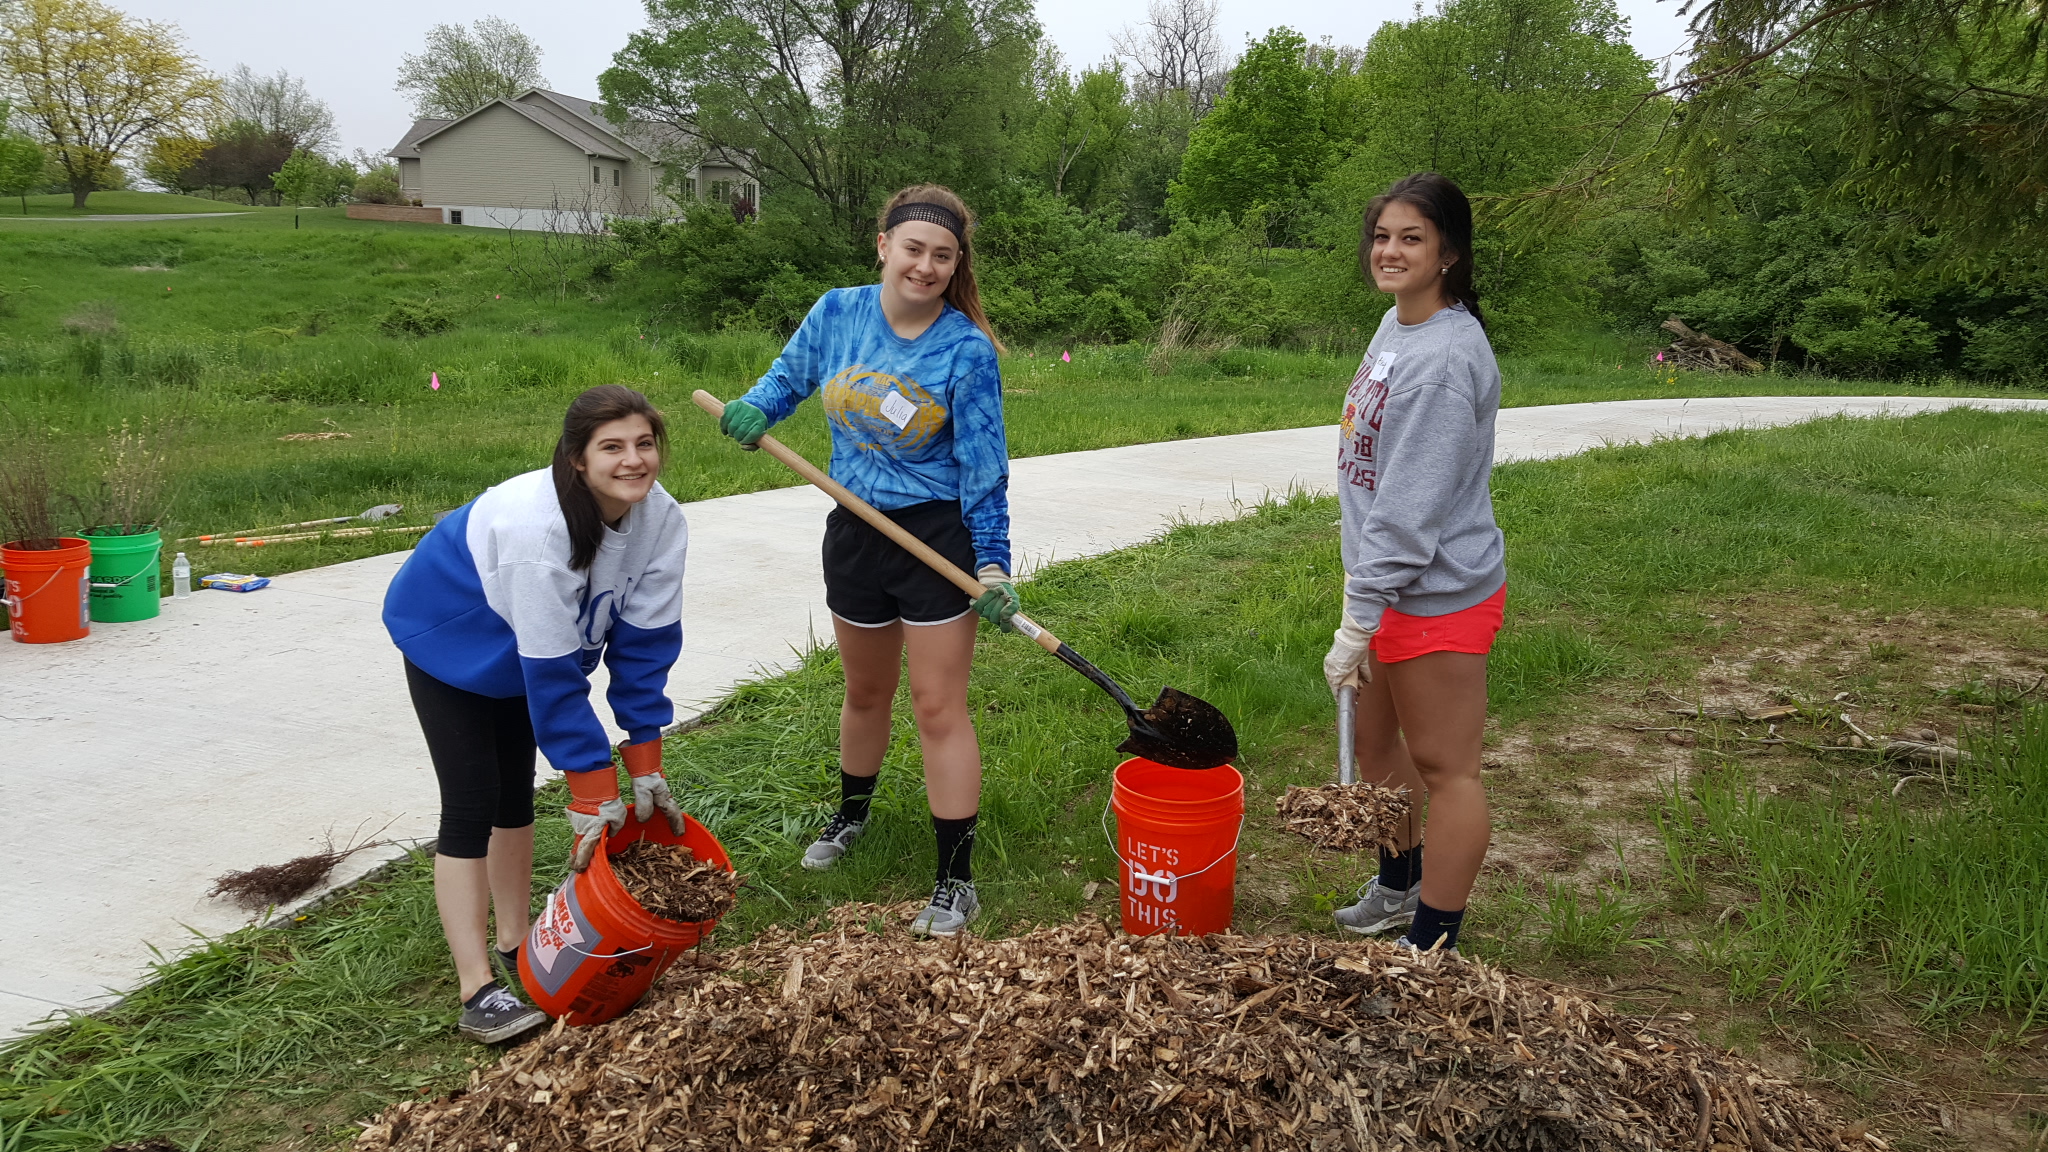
1178,730
380,512
1347,734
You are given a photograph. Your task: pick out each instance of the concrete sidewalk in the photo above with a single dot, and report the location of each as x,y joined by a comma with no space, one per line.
238,730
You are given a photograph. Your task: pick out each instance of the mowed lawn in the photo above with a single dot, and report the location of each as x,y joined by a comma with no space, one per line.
222,337
1892,569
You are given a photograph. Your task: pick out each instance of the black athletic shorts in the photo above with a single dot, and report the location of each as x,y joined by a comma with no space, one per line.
871,581
483,749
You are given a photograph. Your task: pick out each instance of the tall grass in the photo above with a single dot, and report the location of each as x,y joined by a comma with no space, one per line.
1941,889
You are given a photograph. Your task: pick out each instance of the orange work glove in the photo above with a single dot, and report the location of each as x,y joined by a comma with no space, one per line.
595,811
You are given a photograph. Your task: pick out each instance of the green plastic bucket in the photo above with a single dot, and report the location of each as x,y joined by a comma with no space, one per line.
126,582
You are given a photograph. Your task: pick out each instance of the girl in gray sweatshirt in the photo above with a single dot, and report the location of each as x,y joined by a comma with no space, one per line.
1425,577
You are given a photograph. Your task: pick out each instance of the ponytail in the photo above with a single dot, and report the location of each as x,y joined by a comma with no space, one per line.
1443,204
961,291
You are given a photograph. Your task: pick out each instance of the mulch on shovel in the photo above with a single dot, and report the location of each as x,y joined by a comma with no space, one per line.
670,882
1073,1037
1345,817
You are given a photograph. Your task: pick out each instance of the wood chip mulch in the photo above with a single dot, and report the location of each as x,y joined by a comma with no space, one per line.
1075,1037
670,882
1345,817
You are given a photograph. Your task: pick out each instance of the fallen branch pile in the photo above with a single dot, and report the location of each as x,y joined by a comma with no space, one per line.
1345,817
1072,1037
1700,351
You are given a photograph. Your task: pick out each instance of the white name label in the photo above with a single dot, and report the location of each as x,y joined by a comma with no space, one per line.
896,410
1381,365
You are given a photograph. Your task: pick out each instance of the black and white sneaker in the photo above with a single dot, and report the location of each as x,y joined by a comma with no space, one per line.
832,843
494,1015
953,905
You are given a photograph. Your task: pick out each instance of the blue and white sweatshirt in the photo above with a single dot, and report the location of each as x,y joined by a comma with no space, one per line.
489,604
940,438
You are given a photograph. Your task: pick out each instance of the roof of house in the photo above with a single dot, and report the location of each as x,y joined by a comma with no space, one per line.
406,148
574,120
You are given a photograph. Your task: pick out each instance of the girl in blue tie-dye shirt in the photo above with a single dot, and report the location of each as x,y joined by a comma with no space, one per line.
915,402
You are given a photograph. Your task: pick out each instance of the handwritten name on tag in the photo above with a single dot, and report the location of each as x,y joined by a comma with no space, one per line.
896,410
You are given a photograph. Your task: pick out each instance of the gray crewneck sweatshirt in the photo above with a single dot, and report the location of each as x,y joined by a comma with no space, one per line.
1414,457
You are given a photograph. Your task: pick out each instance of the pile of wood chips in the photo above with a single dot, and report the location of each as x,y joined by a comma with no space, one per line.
1075,1037
1345,817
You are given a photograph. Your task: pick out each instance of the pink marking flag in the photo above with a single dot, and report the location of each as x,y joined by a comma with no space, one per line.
1066,357
435,382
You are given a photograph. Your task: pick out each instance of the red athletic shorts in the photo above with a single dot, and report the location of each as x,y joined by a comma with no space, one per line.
1404,637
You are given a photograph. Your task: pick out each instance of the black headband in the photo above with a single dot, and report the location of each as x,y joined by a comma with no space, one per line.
938,214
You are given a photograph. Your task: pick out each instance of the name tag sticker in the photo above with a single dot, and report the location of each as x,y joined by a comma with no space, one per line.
896,410
1381,365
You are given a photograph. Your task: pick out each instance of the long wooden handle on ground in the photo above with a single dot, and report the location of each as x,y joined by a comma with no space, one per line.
882,524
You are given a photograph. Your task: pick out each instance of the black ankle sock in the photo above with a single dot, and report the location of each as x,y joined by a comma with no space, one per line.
478,995
956,847
1432,924
1401,871
854,794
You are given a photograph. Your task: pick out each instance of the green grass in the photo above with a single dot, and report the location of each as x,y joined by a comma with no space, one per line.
117,203
241,330
1611,555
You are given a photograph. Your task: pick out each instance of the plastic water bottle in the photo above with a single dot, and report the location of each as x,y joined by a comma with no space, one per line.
181,577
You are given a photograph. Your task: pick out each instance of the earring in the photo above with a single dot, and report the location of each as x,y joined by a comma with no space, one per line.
1444,271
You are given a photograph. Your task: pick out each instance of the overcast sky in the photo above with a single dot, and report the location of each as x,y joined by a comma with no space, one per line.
348,54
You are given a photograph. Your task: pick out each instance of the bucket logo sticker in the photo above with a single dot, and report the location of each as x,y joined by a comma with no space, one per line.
561,927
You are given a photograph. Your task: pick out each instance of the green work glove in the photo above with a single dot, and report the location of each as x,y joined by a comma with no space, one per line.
744,423
1000,602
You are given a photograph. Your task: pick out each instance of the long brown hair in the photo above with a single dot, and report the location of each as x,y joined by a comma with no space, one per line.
595,408
1443,204
961,291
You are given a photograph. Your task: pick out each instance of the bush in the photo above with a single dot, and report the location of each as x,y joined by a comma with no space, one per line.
416,317
2009,347
377,188
1847,331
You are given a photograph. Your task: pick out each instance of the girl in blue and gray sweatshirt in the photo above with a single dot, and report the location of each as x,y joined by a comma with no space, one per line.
1425,579
915,402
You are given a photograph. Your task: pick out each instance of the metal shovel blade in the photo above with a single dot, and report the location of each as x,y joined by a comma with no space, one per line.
1181,731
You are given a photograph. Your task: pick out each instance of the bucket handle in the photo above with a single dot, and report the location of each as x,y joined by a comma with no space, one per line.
154,559
14,603
1170,881
606,955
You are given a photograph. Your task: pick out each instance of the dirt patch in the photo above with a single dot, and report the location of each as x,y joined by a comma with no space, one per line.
670,882
1345,817
1073,1037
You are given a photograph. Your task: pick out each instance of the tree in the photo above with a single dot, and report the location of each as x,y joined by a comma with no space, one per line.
95,83
464,69
241,155
168,162
838,101
1076,145
21,165
281,105
305,178
1161,123
1265,142
1177,49
1945,103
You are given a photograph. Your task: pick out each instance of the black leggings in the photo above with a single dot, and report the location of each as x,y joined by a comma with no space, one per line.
483,756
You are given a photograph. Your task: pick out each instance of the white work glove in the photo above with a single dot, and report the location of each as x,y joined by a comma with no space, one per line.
592,828
651,793
1346,662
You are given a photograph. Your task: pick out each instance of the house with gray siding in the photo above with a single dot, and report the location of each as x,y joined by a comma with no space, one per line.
545,160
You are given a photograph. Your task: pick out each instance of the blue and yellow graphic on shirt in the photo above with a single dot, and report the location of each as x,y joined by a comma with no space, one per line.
853,402
951,445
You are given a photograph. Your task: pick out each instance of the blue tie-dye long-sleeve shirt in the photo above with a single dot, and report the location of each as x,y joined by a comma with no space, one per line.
912,420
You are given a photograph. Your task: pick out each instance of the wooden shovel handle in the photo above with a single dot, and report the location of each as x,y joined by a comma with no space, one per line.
887,527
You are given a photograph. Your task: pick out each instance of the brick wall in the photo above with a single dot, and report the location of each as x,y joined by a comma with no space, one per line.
395,212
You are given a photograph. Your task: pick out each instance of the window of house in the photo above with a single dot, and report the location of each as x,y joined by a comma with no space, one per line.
595,178
721,191
455,215
615,177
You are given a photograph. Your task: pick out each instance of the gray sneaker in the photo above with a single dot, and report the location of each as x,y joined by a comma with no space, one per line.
1412,946
953,905
1379,909
494,1014
832,843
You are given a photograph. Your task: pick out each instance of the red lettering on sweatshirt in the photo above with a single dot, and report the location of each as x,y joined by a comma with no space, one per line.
1365,409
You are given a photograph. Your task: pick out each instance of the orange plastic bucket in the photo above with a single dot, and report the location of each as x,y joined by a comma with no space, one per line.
594,952
49,591
1176,846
